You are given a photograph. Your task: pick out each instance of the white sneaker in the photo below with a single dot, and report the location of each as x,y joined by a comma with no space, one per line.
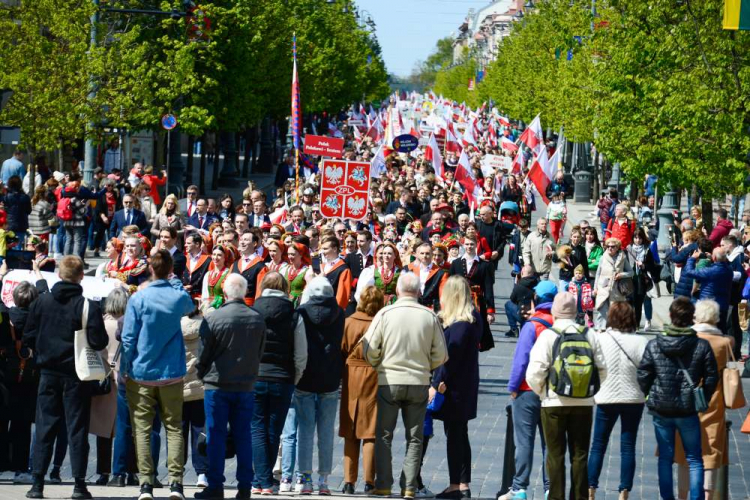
424,493
298,485
202,481
647,326
23,478
286,486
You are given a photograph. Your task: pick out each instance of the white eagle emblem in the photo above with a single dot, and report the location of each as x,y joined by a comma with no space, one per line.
356,205
358,175
334,174
332,203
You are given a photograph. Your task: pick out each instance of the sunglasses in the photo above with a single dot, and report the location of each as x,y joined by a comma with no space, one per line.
611,246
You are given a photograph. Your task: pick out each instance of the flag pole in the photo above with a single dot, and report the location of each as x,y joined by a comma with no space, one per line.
296,174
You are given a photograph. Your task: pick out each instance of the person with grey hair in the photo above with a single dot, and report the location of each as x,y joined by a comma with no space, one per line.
233,338
404,343
315,398
715,281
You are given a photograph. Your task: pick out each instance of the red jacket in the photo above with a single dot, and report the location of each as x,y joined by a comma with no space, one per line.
623,232
154,182
722,229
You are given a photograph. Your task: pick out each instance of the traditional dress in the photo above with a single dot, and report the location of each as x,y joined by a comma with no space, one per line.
132,272
356,262
213,293
195,271
384,279
252,269
479,275
431,280
338,275
296,279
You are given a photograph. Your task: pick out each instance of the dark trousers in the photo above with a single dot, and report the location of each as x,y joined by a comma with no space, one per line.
270,407
459,451
735,331
62,397
193,422
567,428
15,445
420,484
103,455
606,418
100,229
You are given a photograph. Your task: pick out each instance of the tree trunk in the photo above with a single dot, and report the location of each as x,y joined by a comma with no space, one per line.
633,192
202,174
32,172
595,176
61,158
189,172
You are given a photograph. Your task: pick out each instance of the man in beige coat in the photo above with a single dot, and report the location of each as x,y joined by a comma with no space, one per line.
404,343
538,249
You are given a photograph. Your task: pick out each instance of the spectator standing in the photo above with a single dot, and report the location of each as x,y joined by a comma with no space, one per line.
715,281
606,206
566,421
613,267
281,366
620,226
520,300
50,330
154,362
404,343
359,394
674,366
619,398
154,181
13,166
538,250
594,252
722,228
736,259
645,274
460,374
41,214
17,207
169,216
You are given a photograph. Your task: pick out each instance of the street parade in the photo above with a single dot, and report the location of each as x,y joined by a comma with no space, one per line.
436,279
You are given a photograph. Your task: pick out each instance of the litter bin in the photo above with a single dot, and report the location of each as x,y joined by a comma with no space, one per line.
583,186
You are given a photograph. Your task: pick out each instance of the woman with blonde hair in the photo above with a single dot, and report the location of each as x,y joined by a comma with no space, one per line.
169,216
460,375
359,394
614,267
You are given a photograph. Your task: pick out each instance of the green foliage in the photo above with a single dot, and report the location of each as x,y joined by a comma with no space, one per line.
425,72
454,82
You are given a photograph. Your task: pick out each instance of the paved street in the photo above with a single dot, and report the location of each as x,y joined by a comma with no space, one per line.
487,434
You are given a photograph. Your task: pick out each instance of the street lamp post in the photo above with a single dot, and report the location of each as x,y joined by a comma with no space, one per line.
666,221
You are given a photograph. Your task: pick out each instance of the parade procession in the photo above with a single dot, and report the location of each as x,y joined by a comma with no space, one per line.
465,276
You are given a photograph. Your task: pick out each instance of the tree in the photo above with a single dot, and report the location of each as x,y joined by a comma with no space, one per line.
424,74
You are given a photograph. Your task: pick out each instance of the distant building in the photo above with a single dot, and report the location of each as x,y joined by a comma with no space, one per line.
483,29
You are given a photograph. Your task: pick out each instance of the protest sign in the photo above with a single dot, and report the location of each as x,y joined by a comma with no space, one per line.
324,146
344,189
93,288
405,143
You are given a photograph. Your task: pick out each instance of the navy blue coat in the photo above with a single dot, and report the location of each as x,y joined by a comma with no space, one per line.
685,287
17,208
715,281
461,372
208,219
118,222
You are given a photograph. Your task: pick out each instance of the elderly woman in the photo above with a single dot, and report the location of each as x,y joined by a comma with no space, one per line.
620,226
619,397
169,216
614,267
460,374
713,423
359,394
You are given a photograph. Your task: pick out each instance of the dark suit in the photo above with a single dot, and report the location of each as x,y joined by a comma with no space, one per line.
283,174
208,219
179,263
119,221
257,221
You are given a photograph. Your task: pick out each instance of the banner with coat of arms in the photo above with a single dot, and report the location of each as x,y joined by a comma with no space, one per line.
345,189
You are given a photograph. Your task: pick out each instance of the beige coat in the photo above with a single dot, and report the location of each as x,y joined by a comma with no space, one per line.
605,277
535,252
359,390
193,386
104,408
713,421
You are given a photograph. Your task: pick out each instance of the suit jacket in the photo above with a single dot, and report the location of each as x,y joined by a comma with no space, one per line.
282,174
183,204
433,286
255,221
180,263
138,218
208,219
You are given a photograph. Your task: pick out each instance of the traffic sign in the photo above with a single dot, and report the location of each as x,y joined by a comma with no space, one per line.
168,121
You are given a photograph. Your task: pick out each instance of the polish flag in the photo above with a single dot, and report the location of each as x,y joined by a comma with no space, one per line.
518,163
374,130
278,216
465,176
541,174
451,141
468,137
508,145
492,135
432,153
503,121
533,136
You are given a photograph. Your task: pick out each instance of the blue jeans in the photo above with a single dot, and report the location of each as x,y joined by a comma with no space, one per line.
235,409
514,318
60,240
124,446
605,420
289,443
75,240
527,419
690,434
315,411
272,400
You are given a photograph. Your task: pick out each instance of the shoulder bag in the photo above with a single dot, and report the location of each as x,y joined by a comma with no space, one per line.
89,365
623,351
699,397
734,397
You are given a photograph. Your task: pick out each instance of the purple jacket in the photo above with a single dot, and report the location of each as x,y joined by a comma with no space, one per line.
526,340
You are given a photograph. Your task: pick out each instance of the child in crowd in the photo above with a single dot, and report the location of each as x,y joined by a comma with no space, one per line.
557,212
581,288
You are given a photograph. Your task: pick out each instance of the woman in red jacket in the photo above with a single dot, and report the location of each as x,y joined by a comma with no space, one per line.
620,227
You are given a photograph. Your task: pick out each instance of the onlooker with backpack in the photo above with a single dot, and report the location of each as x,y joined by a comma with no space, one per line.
619,397
679,374
527,407
72,213
567,396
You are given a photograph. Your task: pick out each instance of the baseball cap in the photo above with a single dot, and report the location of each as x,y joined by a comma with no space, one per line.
545,291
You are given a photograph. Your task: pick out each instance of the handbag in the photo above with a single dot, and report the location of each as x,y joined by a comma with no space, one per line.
734,397
699,397
89,365
625,287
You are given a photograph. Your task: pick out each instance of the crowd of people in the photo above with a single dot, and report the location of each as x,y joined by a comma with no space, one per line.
243,326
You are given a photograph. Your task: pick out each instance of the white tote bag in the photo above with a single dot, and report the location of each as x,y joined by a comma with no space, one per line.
89,365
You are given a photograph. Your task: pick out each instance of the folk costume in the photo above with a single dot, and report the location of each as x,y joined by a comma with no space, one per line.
296,277
432,278
195,270
250,267
356,262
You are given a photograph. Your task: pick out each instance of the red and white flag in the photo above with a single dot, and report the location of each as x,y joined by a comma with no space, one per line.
503,121
468,137
377,165
375,129
508,145
518,163
451,141
432,153
465,176
541,173
533,136
278,216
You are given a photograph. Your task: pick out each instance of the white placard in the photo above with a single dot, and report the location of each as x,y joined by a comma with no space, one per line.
93,288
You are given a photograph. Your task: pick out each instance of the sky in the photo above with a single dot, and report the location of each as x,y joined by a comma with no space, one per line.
409,29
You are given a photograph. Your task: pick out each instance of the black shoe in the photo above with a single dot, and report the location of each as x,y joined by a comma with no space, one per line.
348,489
175,492
118,481
450,495
466,493
216,494
369,488
96,254
102,480
147,492
36,491
157,483
54,476
80,492
513,332
132,480
243,494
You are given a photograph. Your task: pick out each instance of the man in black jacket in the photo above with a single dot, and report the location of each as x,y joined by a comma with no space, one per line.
233,342
50,331
495,232
674,367
520,299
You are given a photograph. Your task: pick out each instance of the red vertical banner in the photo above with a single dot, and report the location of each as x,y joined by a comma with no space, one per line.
345,189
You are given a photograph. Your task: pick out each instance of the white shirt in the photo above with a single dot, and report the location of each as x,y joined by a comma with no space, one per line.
173,250
328,265
470,261
194,260
424,272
